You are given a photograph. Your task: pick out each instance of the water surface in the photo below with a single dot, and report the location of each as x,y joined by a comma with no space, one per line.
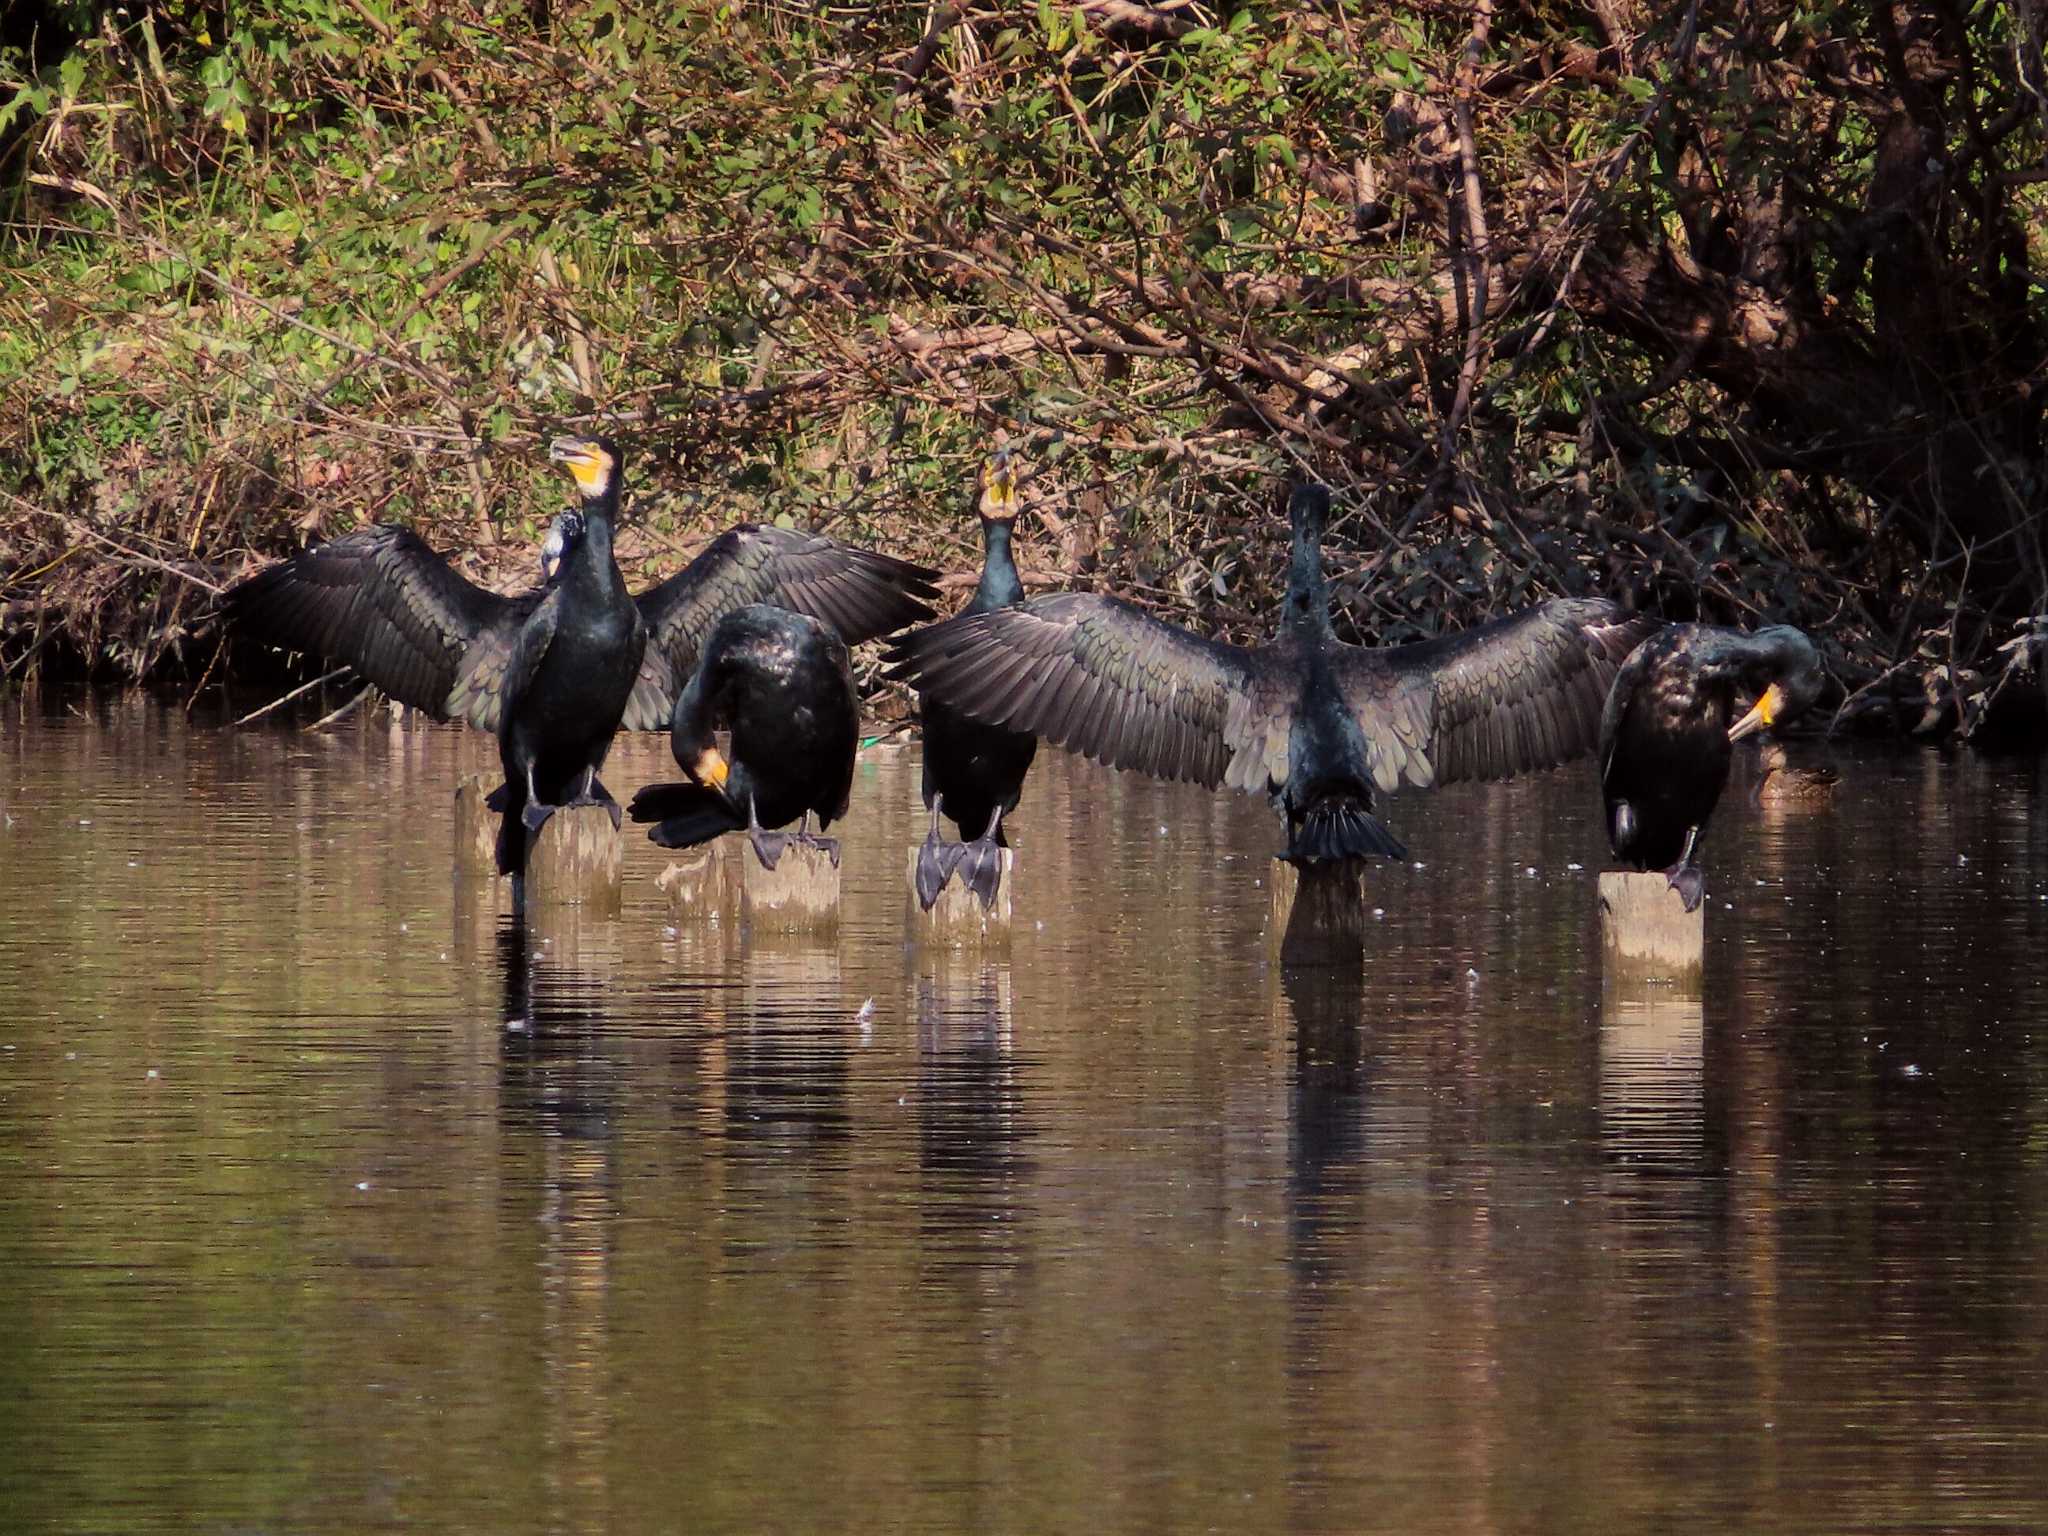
329,1203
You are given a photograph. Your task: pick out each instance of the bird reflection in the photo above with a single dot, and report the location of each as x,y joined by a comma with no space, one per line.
554,1075
789,1049
559,1092
1326,1145
970,1122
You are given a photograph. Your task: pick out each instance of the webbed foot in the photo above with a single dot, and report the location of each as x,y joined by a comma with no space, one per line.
535,816
936,861
829,846
1690,881
600,798
981,869
768,846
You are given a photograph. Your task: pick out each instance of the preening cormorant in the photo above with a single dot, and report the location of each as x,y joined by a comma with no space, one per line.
1317,723
1666,734
973,772
783,685
382,601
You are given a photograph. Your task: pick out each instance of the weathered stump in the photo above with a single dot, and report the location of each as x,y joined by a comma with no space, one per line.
576,860
1644,927
698,883
958,917
476,828
1319,912
799,895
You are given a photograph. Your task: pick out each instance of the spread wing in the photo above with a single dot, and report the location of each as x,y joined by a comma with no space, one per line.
859,592
1096,675
1522,693
382,601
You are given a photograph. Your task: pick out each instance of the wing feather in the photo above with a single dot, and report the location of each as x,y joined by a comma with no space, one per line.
859,592
1513,696
382,601
1096,675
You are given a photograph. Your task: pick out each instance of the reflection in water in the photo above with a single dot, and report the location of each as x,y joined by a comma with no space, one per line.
560,1092
1652,1075
1120,1230
971,1132
1327,1143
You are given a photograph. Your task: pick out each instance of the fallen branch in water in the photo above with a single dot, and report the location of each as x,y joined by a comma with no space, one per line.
303,688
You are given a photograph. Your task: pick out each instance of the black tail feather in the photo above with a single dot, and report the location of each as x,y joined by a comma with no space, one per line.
687,814
1342,828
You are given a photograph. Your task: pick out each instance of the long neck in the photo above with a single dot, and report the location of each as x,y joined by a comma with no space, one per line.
1000,585
1308,594
593,556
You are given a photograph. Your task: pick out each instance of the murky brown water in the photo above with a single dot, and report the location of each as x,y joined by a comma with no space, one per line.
325,1209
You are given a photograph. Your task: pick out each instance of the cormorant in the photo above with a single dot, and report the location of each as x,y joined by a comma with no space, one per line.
1779,783
975,772
381,600
783,685
1666,734
1317,723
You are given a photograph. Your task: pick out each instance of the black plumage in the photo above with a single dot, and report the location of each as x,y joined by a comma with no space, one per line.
1667,729
1319,724
382,601
973,772
783,685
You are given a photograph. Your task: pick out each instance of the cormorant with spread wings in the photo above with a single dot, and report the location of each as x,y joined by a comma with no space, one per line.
555,673
1319,724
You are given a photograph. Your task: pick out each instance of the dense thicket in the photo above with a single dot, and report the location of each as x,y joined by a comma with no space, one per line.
1735,308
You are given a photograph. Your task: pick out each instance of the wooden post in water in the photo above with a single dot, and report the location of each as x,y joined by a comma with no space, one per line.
1319,912
958,917
476,829
800,894
1644,927
577,860
698,883
481,893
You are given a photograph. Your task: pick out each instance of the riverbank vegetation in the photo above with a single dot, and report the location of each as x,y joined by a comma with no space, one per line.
1736,311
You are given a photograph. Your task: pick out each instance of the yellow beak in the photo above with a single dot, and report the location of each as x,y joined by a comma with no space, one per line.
998,487
590,464
710,769
1760,717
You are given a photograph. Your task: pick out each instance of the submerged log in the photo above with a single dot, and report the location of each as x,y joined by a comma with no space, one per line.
800,894
958,916
1644,927
577,859
1319,912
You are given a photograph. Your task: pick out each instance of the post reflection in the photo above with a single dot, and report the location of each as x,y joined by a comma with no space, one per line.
971,1131
1326,1139
560,1081
1652,1075
788,1049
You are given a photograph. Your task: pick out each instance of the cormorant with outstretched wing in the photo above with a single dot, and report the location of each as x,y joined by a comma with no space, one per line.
1317,723
382,601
